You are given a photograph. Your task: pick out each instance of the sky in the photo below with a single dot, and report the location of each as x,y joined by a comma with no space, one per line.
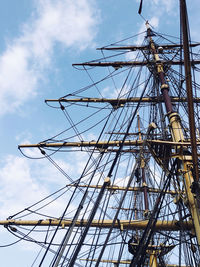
39,41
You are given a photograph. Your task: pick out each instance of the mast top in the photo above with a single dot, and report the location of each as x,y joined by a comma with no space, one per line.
147,25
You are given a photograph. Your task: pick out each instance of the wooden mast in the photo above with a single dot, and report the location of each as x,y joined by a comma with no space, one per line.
177,136
188,79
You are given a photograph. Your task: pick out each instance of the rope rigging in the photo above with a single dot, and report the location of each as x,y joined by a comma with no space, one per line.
91,198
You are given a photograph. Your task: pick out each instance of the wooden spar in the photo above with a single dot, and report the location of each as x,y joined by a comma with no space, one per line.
122,224
145,47
120,64
128,262
121,101
106,144
135,189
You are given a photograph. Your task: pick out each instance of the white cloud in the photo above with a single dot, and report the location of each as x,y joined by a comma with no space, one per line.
16,183
168,5
28,181
25,59
163,12
21,185
161,6
17,80
154,21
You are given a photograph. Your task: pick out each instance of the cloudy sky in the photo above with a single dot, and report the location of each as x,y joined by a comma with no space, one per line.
39,40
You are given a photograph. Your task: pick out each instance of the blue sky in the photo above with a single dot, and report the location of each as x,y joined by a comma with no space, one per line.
39,40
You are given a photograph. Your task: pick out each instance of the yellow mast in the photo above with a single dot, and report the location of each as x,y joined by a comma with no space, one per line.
153,259
177,136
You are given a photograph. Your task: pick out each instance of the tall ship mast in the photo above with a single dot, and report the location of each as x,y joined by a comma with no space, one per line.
137,200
